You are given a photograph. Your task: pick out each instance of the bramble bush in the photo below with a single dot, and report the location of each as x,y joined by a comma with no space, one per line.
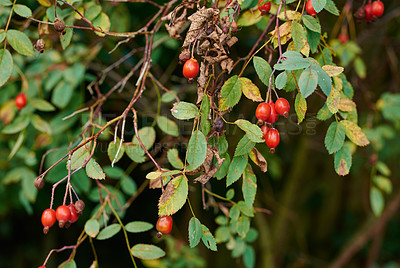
170,127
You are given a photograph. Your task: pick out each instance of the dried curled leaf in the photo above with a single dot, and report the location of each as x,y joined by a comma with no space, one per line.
198,19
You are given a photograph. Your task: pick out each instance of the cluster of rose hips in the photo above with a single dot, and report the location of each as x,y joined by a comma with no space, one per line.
20,100
164,225
65,215
269,113
371,11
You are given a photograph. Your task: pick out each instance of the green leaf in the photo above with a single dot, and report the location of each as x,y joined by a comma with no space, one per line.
92,228
298,35
6,64
334,138
253,132
168,96
263,69
355,133
17,145
318,5
195,232
343,161
293,63
197,150
208,239
230,194
231,92
102,22
331,7
313,39
383,183
66,38
23,11
236,169
249,187
377,201
94,170
128,185
281,80
244,146
324,81
17,125
360,67
67,264
333,100
324,113
250,90
113,149
242,226
205,112
40,124
42,105
109,231
300,106
223,169
62,94
135,153
168,126
184,110
5,3
311,23
383,168
138,227
173,158
20,42
92,11
147,252
222,234
174,196
114,172
245,209
249,257
80,156
308,82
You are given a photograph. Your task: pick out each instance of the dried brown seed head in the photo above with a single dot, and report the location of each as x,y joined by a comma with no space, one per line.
38,183
59,25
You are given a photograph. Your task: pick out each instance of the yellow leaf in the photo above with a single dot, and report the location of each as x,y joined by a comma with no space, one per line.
250,90
45,3
338,83
355,133
332,70
249,18
291,15
284,29
347,105
333,101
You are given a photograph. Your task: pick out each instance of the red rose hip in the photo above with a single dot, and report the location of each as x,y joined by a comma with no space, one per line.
191,68
20,100
265,130
164,225
264,8
273,116
48,219
377,9
282,107
63,215
74,215
272,139
368,12
310,9
263,111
